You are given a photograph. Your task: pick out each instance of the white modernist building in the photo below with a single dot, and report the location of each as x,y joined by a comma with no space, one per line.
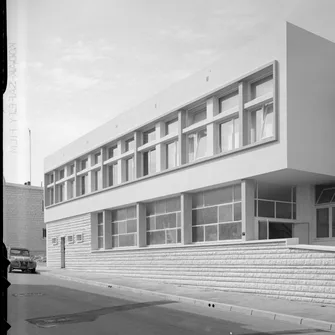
239,154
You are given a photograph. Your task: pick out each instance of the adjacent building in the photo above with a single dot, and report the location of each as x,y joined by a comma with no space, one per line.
23,217
240,152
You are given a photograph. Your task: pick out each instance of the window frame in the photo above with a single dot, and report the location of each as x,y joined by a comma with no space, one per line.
148,152
146,133
170,122
132,158
176,156
232,119
331,234
126,144
196,134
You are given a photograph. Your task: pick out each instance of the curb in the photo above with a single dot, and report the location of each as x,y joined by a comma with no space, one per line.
324,325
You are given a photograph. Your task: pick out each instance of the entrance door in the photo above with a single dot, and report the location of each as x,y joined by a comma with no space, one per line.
62,248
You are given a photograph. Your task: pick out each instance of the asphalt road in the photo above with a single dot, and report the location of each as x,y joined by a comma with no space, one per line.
43,305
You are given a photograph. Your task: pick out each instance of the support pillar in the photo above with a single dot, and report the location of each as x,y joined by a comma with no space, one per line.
248,209
186,218
141,225
108,229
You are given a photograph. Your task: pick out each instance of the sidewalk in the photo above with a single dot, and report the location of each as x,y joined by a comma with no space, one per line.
308,314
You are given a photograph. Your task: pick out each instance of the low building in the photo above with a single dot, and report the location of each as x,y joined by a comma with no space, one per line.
237,156
23,217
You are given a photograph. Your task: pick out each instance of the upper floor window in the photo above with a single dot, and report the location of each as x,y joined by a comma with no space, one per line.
71,189
261,87
112,151
130,169
261,123
97,180
229,101
51,195
97,158
229,135
129,144
71,169
171,127
197,145
149,136
61,190
84,164
61,174
112,175
149,162
84,184
51,178
171,155
197,115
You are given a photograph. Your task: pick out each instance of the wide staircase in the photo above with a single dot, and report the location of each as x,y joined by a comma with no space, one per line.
273,269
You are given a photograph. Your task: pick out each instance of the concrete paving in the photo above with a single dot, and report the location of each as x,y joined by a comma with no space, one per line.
308,314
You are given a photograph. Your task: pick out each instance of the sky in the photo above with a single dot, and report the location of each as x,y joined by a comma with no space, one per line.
74,64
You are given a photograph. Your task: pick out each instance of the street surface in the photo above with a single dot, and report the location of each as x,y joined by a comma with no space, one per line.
40,304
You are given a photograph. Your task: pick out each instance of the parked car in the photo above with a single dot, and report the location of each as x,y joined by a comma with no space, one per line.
20,259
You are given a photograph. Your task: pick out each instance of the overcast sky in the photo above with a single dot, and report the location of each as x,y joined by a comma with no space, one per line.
79,63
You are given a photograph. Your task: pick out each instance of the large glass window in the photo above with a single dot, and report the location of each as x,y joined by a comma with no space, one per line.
124,227
149,136
261,125
100,230
261,87
275,201
130,169
228,102
112,175
149,162
163,221
171,127
197,145
171,155
229,135
216,214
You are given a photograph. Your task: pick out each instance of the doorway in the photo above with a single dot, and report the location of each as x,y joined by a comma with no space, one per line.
62,246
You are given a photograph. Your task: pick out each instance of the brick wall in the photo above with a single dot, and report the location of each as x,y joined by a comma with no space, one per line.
23,217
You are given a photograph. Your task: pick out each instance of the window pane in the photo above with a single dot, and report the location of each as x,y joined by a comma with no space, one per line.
237,211
283,210
112,151
160,206
178,220
100,230
256,125
202,144
151,225
198,200
171,155
128,240
129,145
262,87
131,212
171,236
266,209
122,227
226,213
121,214
149,136
100,217
115,228
227,135
236,133
130,169
228,102
100,242
152,166
166,221
191,147
237,192
156,237
150,208
262,230
131,226
198,234
268,122
198,116
326,196
172,127
173,205
211,233
230,231
210,215
322,222
218,196
280,230
115,241
178,235
274,192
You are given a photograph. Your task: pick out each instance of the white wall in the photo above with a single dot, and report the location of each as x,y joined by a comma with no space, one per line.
311,102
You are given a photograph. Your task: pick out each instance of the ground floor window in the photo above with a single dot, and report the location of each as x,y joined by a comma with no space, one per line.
216,214
124,227
273,230
325,222
163,219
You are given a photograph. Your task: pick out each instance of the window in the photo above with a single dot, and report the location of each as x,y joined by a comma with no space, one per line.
326,196
196,115
84,164
51,178
44,233
275,201
171,127
71,190
61,190
112,151
61,174
197,145
97,180
149,136
163,221
70,239
84,184
229,101
124,227
97,158
216,214
129,144
54,241
112,175
261,123
171,155
79,238
100,230
149,162
229,135
51,195
71,169
325,211
261,87
130,169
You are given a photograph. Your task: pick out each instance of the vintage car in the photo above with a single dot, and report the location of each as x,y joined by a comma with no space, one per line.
20,260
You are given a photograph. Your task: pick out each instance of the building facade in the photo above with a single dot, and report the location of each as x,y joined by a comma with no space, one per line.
238,153
23,217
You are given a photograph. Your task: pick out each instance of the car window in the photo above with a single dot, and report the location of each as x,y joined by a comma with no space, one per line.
17,252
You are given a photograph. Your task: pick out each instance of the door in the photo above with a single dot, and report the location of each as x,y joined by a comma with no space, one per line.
62,248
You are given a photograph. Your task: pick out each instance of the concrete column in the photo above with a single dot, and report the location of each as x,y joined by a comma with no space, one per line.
186,218
141,225
182,153
108,229
248,209
76,177
94,231
89,176
242,115
138,156
55,188
119,163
